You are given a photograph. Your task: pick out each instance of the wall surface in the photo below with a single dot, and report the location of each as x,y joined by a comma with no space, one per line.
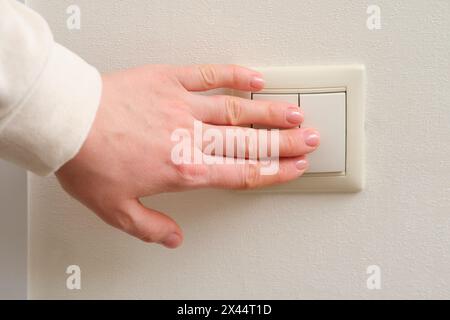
13,232
272,245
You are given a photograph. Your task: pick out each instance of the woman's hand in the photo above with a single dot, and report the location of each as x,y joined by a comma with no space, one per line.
127,154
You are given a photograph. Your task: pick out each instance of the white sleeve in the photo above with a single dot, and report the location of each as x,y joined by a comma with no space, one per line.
48,95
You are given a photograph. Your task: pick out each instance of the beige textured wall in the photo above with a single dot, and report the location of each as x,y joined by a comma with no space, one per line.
13,232
272,245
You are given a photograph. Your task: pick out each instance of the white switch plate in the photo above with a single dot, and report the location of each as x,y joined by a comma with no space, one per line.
347,79
326,113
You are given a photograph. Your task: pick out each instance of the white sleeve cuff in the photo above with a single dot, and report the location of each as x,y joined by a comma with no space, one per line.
53,121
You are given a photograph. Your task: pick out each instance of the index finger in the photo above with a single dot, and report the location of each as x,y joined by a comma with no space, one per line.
213,76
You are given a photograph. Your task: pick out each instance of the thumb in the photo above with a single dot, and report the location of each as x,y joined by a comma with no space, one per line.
152,226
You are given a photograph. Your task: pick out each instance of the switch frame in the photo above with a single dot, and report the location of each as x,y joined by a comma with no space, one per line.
324,79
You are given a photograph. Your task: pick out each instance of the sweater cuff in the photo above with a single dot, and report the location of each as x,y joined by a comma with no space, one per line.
53,121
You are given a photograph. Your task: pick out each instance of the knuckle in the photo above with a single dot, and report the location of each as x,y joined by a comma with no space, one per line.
126,221
183,171
190,174
290,143
251,176
209,75
131,222
272,111
233,110
252,149
282,175
148,234
147,238
234,71
161,74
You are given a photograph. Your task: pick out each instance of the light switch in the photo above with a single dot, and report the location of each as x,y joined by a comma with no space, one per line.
289,98
332,98
326,113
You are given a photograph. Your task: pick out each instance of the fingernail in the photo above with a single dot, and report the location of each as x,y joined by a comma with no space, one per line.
172,241
312,138
257,83
301,164
294,117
